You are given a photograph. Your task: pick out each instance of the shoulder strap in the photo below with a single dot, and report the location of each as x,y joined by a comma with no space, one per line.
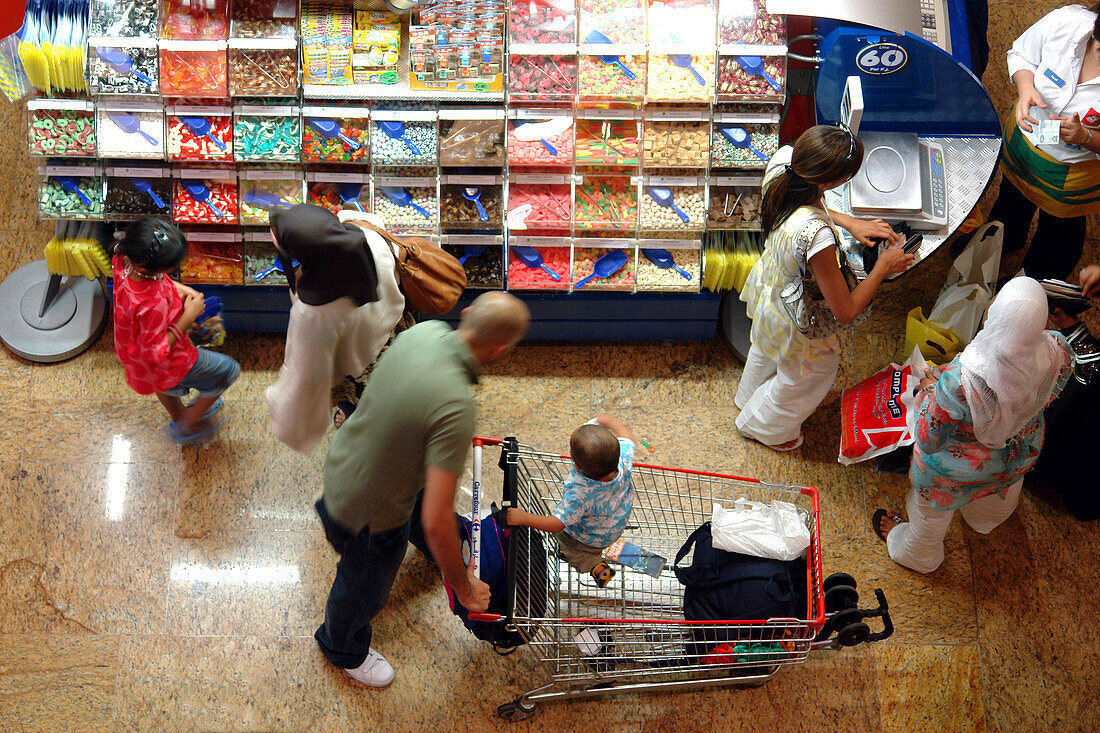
691,540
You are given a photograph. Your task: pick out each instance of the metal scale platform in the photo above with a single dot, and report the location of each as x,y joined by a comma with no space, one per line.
902,179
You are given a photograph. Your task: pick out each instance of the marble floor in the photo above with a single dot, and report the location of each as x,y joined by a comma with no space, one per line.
146,587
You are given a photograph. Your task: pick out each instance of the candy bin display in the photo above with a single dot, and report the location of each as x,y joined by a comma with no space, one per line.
539,202
677,21
471,202
739,144
539,76
669,265
70,192
200,133
123,66
263,49
680,73
130,130
206,196
608,137
213,258
540,138
542,21
471,137
539,263
338,191
267,133
752,78
734,202
404,137
612,73
259,260
335,134
126,18
748,22
263,191
193,69
681,141
672,204
407,203
61,128
606,203
482,256
612,21
603,264
136,192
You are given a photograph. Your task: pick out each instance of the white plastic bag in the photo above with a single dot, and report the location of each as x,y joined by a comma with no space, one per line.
971,284
775,530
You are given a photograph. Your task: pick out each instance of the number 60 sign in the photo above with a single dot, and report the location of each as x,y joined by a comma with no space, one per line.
881,58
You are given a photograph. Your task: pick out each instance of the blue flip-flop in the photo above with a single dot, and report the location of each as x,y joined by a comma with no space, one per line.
213,410
175,431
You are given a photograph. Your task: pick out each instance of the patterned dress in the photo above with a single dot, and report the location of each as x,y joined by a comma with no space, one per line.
950,467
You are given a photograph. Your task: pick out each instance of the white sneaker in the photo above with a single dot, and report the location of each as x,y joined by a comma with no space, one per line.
375,671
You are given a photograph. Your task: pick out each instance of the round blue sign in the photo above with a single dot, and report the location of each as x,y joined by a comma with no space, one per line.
881,58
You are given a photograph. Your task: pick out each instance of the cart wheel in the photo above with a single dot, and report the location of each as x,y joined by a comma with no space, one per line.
853,634
513,711
840,597
504,650
838,579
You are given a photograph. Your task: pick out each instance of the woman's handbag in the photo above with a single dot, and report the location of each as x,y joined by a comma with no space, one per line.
431,279
802,298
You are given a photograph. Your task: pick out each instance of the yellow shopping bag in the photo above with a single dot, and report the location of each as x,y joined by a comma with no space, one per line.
937,345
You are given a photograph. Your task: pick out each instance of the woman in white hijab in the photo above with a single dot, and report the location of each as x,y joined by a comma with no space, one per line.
979,427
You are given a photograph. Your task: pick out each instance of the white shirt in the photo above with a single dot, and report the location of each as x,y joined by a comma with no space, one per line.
1054,49
825,237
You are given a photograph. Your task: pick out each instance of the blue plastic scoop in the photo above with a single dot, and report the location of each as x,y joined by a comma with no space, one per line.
473,193
606,266
396,131
531,257
597,37
402,197
472,250
663,197
265,200
146,188
739,138
663,259
528,130
330,129
201,193
277,267
71,185
684,61
349,194
754,66
121,63
200,127
130,125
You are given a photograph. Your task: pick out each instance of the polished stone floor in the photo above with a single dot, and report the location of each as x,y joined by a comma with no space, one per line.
151,588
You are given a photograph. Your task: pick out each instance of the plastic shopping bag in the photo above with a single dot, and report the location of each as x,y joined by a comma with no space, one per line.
877,415
970,285
774,531
938,345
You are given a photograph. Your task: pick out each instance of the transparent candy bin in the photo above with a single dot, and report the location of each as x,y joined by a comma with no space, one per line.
186,144
458,210
335,135
413,138
484,269
586,252
130,132
734,203
742,78
471,141
61,128
748,22
542,77
673,21
129,18
56,201
752,148
608,141
123,66
539,203
221,193
606,203
267,134
264,20
324,190
555,255
600,81
553,148
194,69
262,72
542,21
671,143
264,191
218,262
259,255
192,20
620,21
127,197
668,81
407,204
685,254
664,204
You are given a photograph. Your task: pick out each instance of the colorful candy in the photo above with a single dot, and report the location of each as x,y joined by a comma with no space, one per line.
212,262
607,202
185,144
263,72
539,206
273,134
543,21
542,78
735,84
763,142
676,144
327,195
584,260
61,132
608,142
260,193
524,277
755,26
320,146
604,82
193,73
651,277
221,195
621,21
56,200
556,150
671,80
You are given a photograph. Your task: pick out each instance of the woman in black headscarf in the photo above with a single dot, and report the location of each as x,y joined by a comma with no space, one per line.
345,303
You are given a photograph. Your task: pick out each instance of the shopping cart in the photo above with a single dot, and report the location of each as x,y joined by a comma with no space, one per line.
631,636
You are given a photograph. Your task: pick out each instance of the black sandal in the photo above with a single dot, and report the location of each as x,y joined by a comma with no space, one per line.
344,407
878,516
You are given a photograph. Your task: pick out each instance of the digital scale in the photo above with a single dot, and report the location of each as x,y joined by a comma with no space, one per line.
902,179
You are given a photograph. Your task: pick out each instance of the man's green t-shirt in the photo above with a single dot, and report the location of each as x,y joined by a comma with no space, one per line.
417,410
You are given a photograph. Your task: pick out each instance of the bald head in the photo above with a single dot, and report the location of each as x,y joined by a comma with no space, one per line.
493,324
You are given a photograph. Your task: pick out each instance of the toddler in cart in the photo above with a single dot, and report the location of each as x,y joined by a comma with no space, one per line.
597,498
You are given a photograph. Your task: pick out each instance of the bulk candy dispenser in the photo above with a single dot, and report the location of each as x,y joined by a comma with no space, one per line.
606,203
404,137
204,196
128,66
668,265
134,192
539,263
676,139
70,192
259,260
263,49
471,137
612,21
612,73
748,22
540,202
193,48
681,51
542,74
752,78
734,202
744,140
336,135
125,18
608,138
265,190
604,264
407,203
263,134
130,130
61,128
471,202
338,191
213,258
672,203
200,133
542,21
481,255
540,138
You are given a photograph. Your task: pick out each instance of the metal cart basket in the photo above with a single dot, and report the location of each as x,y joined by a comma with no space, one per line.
631,636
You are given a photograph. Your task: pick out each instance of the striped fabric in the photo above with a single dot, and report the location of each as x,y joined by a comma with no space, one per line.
1060,189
